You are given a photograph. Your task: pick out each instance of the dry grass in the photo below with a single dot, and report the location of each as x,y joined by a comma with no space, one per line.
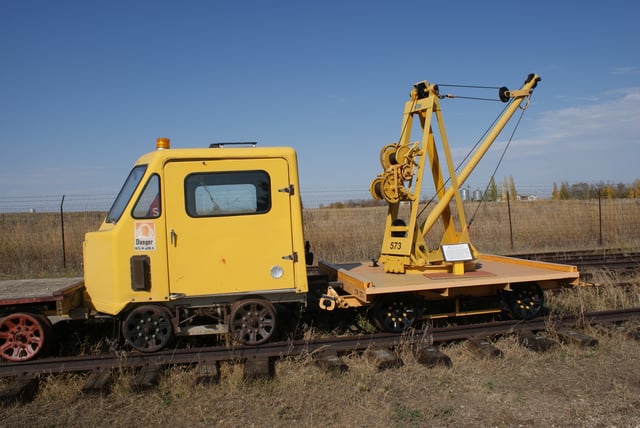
567,387
32,243
355,234
606,295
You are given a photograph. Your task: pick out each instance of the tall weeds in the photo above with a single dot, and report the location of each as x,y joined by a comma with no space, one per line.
31,243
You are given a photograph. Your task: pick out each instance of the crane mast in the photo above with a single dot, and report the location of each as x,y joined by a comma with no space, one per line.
404,247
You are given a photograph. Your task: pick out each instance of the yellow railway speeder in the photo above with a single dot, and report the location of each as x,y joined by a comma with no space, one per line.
210,241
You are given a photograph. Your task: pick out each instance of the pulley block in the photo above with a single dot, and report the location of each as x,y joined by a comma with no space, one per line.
504,94
376,188
387,156
390,188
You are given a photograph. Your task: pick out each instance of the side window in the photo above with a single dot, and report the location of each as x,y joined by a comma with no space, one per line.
215,194
148,204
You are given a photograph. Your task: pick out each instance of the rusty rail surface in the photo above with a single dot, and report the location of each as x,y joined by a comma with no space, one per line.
207,355
609,259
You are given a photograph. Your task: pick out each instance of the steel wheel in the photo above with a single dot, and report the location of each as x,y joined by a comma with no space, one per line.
526,301
24,336
148,328
253,321
394,314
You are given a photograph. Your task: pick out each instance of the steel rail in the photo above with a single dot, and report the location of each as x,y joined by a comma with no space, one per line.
209,355
587,258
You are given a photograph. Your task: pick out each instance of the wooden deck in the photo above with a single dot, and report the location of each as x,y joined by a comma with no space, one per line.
363,279
30,291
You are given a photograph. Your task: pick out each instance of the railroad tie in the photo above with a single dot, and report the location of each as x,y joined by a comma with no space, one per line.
535,343
382,358
258,368
22,389
484,349
580,339
147,378
207,373
330,361
98,382
431,356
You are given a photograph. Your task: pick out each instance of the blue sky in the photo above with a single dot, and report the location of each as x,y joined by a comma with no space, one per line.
87,86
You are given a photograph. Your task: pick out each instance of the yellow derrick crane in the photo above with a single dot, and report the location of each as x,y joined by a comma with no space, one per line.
404,248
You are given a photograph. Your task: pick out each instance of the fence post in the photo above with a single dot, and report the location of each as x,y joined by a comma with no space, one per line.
64,254
600,218
510,225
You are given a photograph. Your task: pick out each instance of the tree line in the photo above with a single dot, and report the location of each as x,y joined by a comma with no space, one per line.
595,191
507,190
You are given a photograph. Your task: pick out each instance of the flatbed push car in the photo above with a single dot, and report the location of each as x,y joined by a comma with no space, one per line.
210,241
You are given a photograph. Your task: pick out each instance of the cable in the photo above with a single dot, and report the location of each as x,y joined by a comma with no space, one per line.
469,86
492,177
467,98
406,122
462,162
477,142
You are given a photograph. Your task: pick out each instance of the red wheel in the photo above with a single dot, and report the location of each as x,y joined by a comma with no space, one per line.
23,336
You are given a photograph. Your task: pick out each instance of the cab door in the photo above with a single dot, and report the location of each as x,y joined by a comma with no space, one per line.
229,226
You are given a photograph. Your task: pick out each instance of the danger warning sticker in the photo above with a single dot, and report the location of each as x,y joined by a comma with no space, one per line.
145,236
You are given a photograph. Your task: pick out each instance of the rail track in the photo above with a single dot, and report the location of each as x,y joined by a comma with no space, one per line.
621,262
259,360
23,377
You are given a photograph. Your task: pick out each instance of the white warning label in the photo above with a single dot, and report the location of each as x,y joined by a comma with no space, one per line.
145,236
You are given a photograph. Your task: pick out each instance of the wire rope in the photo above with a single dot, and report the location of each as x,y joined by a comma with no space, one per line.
462,162
467,86
468,98
492,177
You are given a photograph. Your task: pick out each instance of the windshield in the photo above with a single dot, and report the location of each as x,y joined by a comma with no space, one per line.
125,193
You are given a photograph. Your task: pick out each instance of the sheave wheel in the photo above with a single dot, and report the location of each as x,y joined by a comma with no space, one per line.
253,321
526,301
394,314
148,328
24,336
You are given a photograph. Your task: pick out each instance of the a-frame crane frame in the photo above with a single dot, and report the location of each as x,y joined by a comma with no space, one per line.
404,248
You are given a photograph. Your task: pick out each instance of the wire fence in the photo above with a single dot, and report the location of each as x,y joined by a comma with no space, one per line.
55,203
311,198
102,202
50,243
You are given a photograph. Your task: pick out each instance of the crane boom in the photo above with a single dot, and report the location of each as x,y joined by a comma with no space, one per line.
404,247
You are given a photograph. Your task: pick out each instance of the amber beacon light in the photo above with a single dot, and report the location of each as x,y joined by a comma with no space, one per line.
162,143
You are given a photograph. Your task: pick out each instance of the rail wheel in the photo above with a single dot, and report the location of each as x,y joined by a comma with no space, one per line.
24,336
253,321
394,314
526,301
148,328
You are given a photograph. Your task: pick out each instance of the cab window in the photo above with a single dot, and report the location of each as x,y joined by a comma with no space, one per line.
122,200
148,204
216,194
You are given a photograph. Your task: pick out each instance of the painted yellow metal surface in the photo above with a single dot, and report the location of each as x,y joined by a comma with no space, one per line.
195,254
229,254
404,249
366,281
